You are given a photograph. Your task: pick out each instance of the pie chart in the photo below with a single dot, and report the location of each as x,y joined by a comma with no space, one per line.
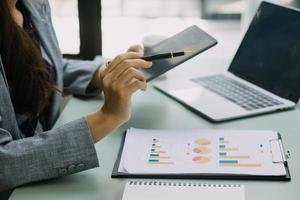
202,150
203,142
201,159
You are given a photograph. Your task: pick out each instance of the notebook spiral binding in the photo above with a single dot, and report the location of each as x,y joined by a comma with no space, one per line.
164,183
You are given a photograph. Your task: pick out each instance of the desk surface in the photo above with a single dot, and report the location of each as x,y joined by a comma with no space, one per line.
154,110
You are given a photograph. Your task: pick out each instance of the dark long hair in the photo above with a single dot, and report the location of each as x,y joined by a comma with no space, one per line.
24,66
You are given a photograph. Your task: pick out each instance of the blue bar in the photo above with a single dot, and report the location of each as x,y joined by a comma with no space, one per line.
229,162
222,146
153,160
154,155
221,139
222,154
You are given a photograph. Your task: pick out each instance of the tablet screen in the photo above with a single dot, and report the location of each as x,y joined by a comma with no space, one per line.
192,39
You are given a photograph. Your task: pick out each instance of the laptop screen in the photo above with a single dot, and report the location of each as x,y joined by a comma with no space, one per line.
269,55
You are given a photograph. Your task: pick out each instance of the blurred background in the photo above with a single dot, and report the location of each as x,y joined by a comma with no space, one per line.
126,22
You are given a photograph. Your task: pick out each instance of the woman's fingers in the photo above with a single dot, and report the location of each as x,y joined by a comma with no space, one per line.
131,74
134,79
137,85
122,74
130,63
120,79
120,58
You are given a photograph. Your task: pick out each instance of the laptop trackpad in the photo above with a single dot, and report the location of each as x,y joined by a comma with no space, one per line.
207,102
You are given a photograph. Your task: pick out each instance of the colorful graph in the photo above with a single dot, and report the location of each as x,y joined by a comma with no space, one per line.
203,142
202,147
202,150
201,159
157,155
230,156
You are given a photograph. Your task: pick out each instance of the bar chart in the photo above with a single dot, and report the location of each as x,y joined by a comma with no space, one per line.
158,155
230,155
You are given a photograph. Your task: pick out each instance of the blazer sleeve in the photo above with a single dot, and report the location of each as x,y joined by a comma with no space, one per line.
59,152
77,76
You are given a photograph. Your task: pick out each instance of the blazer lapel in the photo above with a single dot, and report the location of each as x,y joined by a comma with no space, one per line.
8,118
3,72
41,18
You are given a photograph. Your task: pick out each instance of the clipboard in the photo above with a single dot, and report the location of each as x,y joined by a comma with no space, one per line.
284,157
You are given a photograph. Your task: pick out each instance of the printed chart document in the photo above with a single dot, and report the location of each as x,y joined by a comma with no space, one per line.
135,190
200,151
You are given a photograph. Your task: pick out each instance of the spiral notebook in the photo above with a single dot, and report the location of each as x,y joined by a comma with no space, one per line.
160,190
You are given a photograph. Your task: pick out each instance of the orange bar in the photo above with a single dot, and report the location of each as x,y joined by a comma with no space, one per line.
158,152
240,165
229,149
161,163
234,157
161,157
156,147
224,142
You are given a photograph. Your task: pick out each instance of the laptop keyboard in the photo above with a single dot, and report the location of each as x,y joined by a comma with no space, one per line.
237,92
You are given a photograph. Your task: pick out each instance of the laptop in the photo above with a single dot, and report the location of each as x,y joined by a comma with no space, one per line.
263,77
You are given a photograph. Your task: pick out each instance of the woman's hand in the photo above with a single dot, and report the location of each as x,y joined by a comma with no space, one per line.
120,80
97,79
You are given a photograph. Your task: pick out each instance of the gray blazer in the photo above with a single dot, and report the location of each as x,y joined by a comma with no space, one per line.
59,152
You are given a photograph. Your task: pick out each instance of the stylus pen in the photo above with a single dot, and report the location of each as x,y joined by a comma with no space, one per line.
165,55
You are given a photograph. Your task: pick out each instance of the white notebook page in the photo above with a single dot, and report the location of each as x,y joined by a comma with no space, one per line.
200,151
138,190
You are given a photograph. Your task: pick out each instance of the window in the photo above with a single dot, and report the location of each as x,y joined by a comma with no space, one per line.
174,8
78,27
66,23
125,22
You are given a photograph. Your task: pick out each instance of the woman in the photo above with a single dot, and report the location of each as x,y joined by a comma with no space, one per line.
33,77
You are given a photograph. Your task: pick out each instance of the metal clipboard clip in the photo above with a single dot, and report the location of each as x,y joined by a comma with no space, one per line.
279,155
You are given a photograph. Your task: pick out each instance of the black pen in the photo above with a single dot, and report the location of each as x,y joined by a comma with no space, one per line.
166,55
163,56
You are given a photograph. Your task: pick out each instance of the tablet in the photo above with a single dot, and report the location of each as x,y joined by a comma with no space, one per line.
191,39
